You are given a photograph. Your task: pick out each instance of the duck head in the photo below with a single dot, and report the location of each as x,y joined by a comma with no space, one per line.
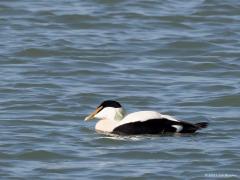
109,109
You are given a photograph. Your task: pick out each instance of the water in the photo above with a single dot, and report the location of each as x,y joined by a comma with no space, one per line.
59,59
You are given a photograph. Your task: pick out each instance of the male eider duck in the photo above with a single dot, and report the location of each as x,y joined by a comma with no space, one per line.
113,120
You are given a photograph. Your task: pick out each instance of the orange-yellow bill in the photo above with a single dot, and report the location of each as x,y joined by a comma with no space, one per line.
91,116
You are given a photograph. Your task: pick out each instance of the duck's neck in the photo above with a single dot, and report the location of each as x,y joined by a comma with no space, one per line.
119,114
108,123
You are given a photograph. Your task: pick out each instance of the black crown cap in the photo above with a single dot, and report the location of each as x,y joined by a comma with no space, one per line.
110,103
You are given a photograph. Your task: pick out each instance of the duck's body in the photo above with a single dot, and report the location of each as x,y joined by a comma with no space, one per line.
142,122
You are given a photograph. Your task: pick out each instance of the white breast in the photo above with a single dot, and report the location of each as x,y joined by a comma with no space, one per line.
106,125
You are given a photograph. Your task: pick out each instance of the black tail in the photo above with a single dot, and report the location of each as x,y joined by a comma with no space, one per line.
202,125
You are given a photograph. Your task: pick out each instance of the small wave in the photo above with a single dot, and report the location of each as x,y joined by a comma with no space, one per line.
42,155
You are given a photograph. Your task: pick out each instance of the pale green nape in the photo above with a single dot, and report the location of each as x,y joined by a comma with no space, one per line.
119,114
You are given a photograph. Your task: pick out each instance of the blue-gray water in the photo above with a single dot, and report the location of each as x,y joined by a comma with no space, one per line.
59,59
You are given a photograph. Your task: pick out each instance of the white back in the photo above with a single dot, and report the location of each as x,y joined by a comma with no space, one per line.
143,116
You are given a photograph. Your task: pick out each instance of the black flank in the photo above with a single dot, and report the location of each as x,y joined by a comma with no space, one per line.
154,126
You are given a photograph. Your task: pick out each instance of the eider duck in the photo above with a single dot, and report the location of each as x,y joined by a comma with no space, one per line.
113,120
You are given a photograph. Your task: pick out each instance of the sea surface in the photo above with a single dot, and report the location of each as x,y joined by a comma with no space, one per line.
60,59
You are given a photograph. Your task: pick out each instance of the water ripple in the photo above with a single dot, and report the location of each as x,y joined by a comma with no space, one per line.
59,59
